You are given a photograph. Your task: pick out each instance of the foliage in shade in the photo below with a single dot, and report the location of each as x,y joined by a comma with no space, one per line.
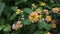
9,15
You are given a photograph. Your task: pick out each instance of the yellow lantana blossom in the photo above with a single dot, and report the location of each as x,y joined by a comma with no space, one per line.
55,10
18,11
48,33
43,4
48,18
33,17
33,6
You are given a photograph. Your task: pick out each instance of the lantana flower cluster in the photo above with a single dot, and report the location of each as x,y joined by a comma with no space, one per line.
37,15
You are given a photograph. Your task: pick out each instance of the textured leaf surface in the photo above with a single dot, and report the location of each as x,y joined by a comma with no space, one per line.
2,5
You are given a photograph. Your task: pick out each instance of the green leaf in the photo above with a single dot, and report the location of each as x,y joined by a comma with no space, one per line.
13,17
23,0
48,27
8,15
1,27
28,10
2,21
32,28
41,24
58,33
20,1
58,14
49,7
38,32
14,8
46,0
44,25
2,5
19,17
46,32
0,0
7,28
26,22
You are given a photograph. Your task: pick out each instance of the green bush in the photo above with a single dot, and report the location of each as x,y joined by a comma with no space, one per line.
29,16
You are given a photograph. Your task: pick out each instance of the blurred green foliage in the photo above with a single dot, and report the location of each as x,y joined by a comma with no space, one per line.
8,17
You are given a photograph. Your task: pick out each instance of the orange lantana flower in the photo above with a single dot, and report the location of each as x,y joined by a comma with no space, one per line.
55,10
48,18
33,17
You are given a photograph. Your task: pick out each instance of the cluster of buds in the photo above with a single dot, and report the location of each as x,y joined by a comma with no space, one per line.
33,6
18,11
39,11
22,17
17,25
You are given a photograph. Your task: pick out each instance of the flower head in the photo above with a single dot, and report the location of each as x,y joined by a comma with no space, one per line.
48,18
55,10
53,25
18,22
33,17
33,5
43,4
17,25
53,22
13,26
46,11
18,11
